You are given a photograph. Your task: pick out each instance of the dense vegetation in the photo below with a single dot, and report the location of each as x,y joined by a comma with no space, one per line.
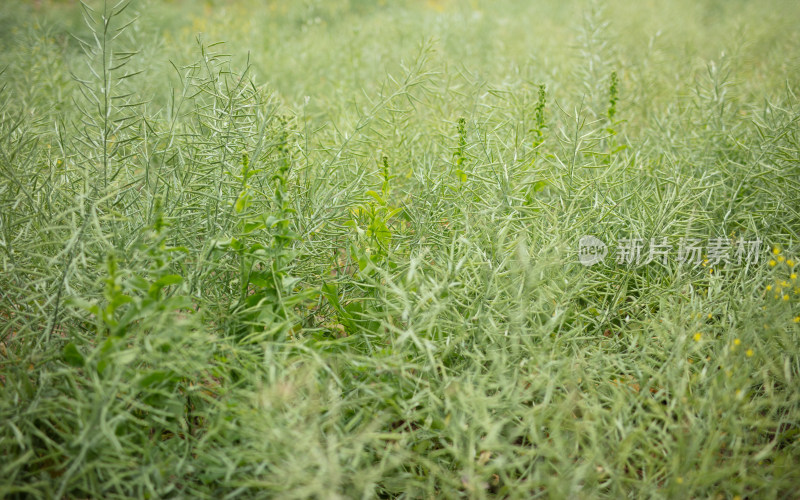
337,256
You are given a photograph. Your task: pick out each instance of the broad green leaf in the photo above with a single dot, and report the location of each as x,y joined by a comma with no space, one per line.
72,356
331,292
377,197
242,202
138,283
169,279
154,378
89,306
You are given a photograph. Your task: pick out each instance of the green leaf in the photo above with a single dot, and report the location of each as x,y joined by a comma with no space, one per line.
251,173
88,306
177,302
354,309
169,279
393,212
119,300
138,283
154,378
72,356
221,243
249,227
331,292
363,262
301,297
377,197
242,202
178,249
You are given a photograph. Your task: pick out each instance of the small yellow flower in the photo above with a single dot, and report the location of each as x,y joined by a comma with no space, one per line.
790,262
736,341
776,250
749,353
793,276
698,336
769,288
785,297
679,480
772,263
780,258
797,319
710,316
710,271
784,284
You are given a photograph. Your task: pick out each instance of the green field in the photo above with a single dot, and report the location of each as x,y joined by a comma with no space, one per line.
338,249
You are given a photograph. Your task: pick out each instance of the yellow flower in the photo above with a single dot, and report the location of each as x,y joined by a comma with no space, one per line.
769,288
698,336
772,263
679,480
736,341
780,258
797,319
776,250
749,353
709,316
790,262
785,297
710,271
793,276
